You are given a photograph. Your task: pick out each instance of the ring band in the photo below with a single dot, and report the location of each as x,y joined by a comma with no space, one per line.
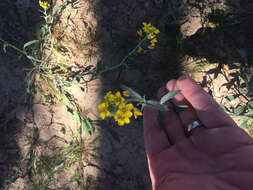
193,125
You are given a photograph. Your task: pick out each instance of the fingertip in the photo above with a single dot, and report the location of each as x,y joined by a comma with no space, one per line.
188,86
171,85
207,109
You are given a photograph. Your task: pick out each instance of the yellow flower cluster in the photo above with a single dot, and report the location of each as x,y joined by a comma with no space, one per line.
44,4
151,33
114,106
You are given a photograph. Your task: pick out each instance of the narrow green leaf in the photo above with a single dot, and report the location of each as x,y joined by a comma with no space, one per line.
244,78
233,66
239,110
244,92
77,117
4,47
230,98
157,105
65,99
132,92
243,122
181,107
33,59
250,104
87,127
169,96
250,87
56,7
250,94
224,108
30,43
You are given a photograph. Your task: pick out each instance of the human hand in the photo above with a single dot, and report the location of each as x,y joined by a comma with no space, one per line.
216,155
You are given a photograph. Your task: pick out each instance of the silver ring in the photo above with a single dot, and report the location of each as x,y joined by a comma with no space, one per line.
193,125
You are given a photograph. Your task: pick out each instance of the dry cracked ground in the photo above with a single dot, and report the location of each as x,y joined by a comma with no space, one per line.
38,139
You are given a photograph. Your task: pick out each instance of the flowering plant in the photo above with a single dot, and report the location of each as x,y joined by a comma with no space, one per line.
121,108
44,4
115,106
151,33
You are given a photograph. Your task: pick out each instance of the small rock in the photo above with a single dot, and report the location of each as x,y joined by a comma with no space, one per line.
18,184
193,23
42,115
37,98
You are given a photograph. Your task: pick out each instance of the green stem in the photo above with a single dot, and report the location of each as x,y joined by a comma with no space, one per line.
12,46
122,62
135,100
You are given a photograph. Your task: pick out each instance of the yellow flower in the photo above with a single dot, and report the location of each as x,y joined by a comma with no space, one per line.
137,113
104,109
156,31
139,50
151,36
126,93
154,41
151,46
146,27
44,4
109,97
139,32
118,99
124,113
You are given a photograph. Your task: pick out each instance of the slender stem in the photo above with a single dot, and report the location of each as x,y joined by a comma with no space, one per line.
122,62
14,47
135,100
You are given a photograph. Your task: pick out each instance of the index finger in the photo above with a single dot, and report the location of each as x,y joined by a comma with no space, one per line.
208,110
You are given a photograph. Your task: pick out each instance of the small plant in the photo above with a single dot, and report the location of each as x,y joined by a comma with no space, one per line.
44,4
148,39
151,32
245,108
121,109
115,106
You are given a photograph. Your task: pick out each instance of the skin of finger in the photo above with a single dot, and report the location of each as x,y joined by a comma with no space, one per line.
207,110
172,125
154,136
187,116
